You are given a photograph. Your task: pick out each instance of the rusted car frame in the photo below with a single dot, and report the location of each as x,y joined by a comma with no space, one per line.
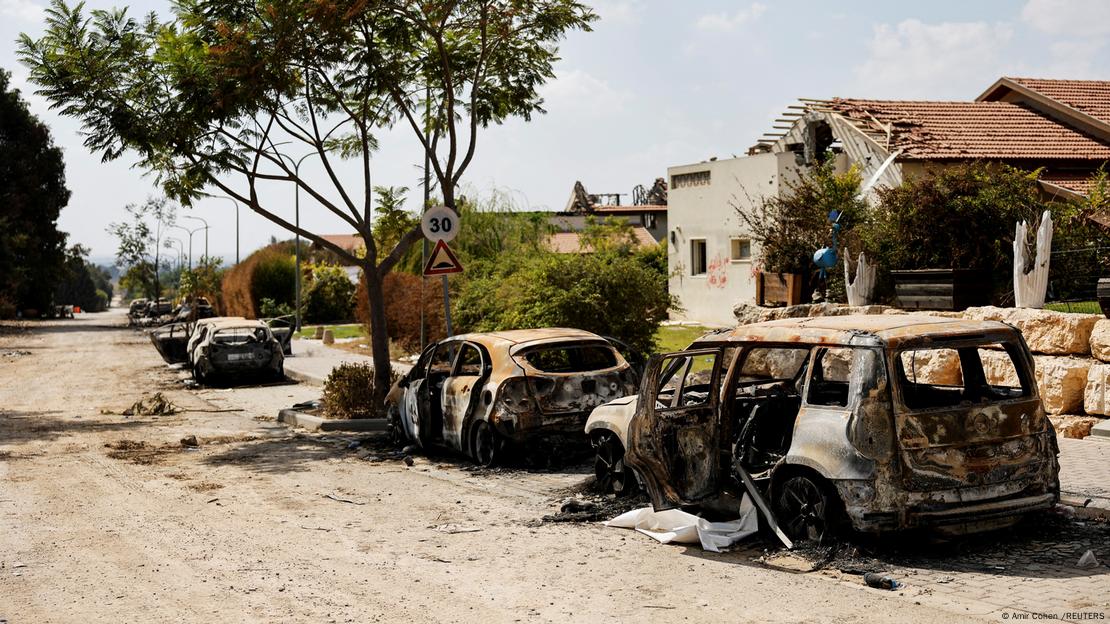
477,393
232,347
837,420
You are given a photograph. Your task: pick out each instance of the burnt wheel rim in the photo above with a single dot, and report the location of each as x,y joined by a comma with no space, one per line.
803,509
609,468
485,451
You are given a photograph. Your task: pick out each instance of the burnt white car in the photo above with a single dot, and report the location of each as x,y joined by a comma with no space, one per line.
234,347
477,393
877,423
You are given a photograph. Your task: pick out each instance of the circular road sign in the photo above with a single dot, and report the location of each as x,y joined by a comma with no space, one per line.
440,223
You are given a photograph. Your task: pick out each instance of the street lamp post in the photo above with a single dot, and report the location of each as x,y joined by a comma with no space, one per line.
297,223
233,200
180,250
190,233
205,231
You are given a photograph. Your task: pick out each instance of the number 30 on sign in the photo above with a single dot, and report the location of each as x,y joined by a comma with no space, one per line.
440,224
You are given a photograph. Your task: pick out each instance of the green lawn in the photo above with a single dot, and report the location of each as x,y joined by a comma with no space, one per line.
353,330
1083,307
677,337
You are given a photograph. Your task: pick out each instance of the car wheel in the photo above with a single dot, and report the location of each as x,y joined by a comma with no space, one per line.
805,510
279,374
198,373
397,435
609,469
486,445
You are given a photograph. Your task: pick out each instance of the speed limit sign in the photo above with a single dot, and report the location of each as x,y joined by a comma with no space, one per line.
440,224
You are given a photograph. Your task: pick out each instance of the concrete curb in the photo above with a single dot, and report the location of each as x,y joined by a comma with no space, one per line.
296,418
302,376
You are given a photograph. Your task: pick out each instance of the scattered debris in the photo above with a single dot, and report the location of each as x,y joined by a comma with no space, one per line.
190,441
880,581
679,527
577,505
14,353
316,528
408,460
156,405
452,529
205,486
343,500
1088,560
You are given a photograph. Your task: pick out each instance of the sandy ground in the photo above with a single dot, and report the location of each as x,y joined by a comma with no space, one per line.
107,518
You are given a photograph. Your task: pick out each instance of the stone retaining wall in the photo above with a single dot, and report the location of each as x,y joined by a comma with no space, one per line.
1071,353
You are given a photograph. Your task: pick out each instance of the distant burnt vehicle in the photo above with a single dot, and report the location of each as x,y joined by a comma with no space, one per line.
478,393
233,348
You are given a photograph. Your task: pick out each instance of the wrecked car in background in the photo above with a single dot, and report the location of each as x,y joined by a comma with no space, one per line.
171,339
227,348
477,393
876,423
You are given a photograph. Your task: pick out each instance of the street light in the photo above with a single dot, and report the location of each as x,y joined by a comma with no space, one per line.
180,249
205,231
234,201
297,222
190,233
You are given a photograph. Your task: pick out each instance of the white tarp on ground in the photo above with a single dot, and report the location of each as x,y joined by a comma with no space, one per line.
677,526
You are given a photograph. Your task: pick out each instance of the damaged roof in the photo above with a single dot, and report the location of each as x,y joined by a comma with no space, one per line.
1088,97
934,130
889,329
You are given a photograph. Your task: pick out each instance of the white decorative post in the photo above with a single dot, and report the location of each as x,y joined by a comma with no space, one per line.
1030,288
861,290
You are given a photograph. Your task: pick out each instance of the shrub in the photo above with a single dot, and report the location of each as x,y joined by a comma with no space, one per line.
402,309
349,392
958,217
268,273
330,296
268,308
611,294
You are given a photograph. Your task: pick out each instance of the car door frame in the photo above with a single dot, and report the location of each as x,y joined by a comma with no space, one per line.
658,436
455,429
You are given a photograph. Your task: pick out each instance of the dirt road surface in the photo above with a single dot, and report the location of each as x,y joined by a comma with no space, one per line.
108,518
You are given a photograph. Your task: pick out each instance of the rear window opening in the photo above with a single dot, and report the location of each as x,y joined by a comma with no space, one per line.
239,336
571,358
966,375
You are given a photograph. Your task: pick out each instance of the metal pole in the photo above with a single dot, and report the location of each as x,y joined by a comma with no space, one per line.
205,231
297,249
424,241
236,231
447,306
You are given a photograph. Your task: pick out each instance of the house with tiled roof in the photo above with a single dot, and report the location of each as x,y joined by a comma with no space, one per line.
1061,127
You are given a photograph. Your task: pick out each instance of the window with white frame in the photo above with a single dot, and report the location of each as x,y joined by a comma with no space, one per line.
740,249
697,256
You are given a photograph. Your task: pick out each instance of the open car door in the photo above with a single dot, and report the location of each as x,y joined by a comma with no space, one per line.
673,438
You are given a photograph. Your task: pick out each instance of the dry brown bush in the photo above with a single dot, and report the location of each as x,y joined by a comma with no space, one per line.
402,308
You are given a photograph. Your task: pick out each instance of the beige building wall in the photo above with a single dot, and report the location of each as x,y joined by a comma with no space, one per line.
702,202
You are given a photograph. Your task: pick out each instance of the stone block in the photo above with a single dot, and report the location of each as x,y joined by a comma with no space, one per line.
1062,382
1096,396
1077,427
1100,340
1047,331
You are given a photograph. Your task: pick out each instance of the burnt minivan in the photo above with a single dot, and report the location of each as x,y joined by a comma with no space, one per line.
876,423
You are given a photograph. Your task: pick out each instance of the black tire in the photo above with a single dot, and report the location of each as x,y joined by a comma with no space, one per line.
198,373
397,435
610,472
806,509
487,448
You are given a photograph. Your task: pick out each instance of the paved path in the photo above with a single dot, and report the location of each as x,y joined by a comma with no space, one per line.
312,360
1085,471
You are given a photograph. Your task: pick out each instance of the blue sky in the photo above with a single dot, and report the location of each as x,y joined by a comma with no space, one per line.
657,83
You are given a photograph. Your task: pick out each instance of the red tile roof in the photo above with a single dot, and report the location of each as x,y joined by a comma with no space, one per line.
571,242
967,130
350,242
1078,182
1088,96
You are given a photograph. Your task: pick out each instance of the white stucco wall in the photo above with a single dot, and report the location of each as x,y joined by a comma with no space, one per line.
709,212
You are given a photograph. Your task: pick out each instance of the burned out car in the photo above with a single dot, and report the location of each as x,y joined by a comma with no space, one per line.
478,393
233,347
876,423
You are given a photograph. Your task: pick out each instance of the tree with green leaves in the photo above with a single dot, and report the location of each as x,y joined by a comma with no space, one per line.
32,194
140,235
229,93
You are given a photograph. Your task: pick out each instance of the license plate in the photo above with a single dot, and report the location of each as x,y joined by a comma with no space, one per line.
235,357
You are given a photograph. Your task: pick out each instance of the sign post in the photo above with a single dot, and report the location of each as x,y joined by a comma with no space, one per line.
441,224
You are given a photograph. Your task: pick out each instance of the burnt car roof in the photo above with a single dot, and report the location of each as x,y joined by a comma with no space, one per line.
520,337
861,329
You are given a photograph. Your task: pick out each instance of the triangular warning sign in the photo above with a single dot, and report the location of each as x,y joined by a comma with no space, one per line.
442,261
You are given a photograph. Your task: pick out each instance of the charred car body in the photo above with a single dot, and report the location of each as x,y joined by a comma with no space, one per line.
476,393
171,339
877,422
225,347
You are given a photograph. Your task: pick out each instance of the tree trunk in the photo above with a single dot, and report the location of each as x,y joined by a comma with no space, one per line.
379,332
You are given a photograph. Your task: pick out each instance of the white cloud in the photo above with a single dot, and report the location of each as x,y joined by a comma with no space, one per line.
949,59
618,11
1082,18
21,9
580,93
723,22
